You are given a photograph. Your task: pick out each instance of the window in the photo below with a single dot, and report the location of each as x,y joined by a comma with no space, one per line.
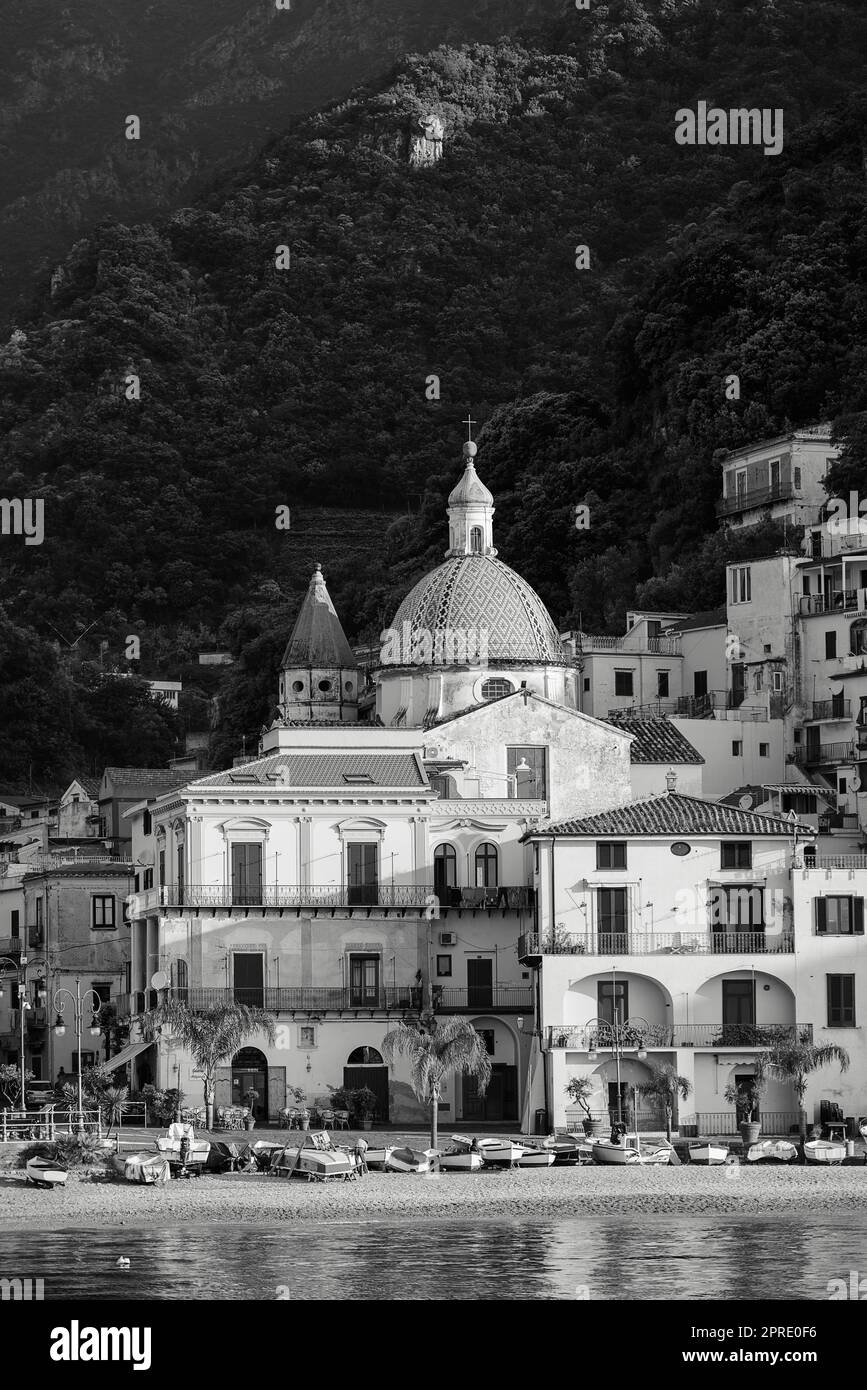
162,867
612,1000
445,870
839,916
799,802
444,965
529,767
654,627
806,586
764,750
623,682
146,822
486,866
758,679
14,920
182,979
662,683
443,785
738,1003
39,912
307,1035
495,688
736,854
611,854
476,540
611,918
363,981
841,1001
774,473
830,645
858,637
842,784
147,879
362,874
778,682
88,1059
737,748
179,859
103,991
487,1036
699,683
586,683
796,475
102,913
737,909
741,584
246,861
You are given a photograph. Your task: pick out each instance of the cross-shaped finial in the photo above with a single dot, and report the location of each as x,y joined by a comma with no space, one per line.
469,422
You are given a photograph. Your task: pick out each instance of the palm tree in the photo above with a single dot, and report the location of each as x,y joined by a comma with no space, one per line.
114,1099
796,1061
212,1036
664,1086
436,1048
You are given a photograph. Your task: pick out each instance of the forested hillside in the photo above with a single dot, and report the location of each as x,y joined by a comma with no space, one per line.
263,387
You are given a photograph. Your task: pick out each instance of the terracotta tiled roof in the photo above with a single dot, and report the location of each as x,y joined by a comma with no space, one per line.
144,778
674,814
321,770
656,741
711,617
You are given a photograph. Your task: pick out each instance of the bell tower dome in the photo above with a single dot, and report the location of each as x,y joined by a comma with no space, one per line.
471,509
319,675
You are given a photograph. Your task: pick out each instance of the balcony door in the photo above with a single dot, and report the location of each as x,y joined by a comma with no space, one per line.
739,1012
612,1000
247,875
611,920
480,984
248,978
362,875
364,981
739,684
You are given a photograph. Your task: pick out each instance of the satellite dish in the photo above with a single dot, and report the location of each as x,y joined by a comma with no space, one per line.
746,803
855,784
159,980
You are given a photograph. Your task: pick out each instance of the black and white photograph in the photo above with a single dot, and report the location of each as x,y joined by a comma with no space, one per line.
433,670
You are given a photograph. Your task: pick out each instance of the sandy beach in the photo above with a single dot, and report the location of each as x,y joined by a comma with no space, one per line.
260,1198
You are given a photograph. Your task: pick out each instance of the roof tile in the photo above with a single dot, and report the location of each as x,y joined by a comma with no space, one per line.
675,814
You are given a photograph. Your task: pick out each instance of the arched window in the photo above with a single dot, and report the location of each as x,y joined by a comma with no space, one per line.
445,869
182,980
364,1057
486,866
495,688
476,540
443,785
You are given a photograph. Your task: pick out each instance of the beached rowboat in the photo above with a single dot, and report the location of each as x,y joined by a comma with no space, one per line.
496,1152
708,1153
606,1152
460,1160
824,1151
46,1172
377,1156
314,1158
777,1150
407,1160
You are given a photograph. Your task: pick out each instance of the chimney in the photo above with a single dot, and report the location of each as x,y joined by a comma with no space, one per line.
670,780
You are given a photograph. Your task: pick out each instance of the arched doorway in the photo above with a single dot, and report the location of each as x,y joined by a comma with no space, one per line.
365,1067
250,1072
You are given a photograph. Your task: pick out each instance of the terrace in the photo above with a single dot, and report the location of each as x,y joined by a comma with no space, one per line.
581,1038
532,945
324,898
338,999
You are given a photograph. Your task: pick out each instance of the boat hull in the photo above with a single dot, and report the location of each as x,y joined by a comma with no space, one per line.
462,1162
497,1154
772,1150
317,1165
149,1169
708,1154
406,1160
606,1152
824,1151
536,1158
378,1157
44,1172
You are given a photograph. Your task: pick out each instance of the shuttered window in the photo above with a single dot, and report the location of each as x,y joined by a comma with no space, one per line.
841,1001
839,916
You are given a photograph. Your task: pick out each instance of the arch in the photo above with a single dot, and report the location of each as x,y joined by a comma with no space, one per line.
486,865
646,998
250,1072
443,785
364,1057
495,687
477,540
445,863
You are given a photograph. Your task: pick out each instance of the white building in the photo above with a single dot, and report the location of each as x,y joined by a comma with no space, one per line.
777,479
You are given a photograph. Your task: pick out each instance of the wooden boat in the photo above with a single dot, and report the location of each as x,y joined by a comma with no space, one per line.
825,1150
377,1156
775,1150
408,1160
604,1151
148,1168
660,1153
537,1152
314,1157
566,1149
708,1154
46,1172
186,1154
497,1152
457,1159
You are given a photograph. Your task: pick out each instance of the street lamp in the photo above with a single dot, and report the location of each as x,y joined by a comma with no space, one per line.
617,1035
20,968
79,1002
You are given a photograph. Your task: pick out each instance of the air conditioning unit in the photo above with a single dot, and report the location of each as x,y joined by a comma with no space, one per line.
448,938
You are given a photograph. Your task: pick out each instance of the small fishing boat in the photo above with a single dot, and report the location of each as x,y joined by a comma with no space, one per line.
862,1128
538,1152
148,1168
604,1151
315,1158
46,1172
498,1152
565,1148
825,1150
660,1153
773,1150
186,1154
708,1154
461,1156
377,1156
408,1160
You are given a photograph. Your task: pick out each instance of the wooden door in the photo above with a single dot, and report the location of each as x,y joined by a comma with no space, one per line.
480,983
376,1080
247,875
248,978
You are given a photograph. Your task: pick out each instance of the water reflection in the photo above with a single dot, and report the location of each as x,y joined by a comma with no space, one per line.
611,1257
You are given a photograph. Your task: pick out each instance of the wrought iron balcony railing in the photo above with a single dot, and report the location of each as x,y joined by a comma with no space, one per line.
711,943
754,497
581,1038
324,897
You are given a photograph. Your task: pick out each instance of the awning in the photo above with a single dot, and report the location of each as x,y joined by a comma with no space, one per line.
125,1055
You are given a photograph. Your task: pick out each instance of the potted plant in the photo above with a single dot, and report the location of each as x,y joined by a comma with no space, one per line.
364,1106
579,1090
747,1097
251,1097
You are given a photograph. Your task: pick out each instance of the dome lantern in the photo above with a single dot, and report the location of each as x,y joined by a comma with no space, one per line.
470,509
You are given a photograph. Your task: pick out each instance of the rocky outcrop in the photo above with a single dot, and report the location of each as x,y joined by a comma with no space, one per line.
426,141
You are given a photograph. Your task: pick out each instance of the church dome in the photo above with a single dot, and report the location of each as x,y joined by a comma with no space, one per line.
470,488
473,595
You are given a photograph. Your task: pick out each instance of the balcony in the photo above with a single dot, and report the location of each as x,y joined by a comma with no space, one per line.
837,820
95,859
824,711
532,945
36,1018
754,497
836,861
10,945
588,643
580,1038
715,704
839,601
332,897
824,754
516,999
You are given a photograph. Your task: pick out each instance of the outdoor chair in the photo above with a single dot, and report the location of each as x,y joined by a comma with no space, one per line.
326,1119
341,1119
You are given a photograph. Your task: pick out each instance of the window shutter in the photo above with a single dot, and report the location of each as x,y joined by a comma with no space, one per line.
858,916
821,917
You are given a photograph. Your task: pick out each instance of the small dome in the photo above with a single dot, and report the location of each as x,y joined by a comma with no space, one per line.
476,594
470,488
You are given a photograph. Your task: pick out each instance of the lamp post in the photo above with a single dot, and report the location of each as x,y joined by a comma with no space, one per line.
20,968
618,1035
79,1003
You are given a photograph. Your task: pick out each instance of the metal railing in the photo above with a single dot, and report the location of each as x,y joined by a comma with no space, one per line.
713,704
580,1038
327,896
812,755
47,1122
501,998
755,497
826,710
837,861
657,646
44,863
644,1121
10,945
278,999
779,1122
713,943
840,601
837,820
